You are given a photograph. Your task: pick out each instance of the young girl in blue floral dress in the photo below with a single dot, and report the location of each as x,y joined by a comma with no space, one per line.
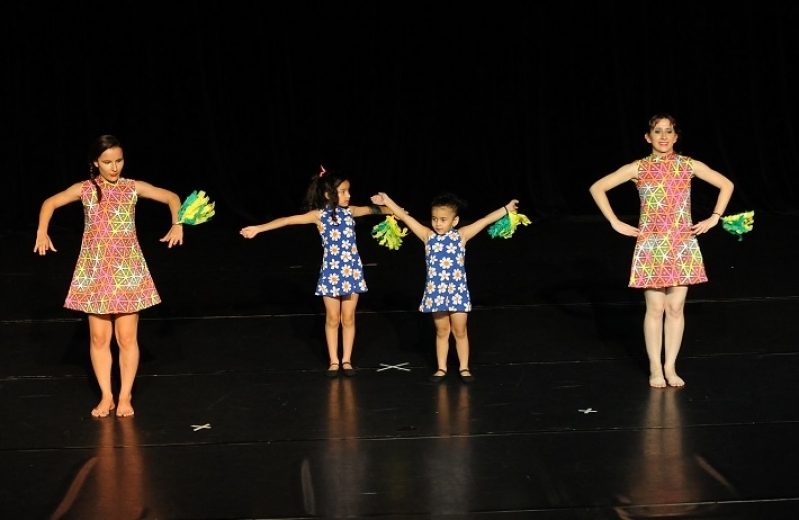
341,277
446,294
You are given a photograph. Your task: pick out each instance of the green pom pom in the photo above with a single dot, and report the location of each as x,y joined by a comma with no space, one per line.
739,224
506,226
196,209
388,233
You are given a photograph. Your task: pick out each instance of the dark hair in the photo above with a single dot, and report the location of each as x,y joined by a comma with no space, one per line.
97,148
657,117
448,200
323,191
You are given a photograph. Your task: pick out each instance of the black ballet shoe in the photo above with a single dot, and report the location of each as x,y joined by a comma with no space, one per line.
437,376
349,372
332,371
466,376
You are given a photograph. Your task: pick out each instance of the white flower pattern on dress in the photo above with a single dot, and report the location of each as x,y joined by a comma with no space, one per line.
446,288
342,271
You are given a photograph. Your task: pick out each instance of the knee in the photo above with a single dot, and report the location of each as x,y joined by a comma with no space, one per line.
655,310
126,341
347,320
459,333
443,331
332,320
100,341
674,311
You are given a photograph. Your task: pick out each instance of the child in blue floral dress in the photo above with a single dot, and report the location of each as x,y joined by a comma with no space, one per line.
446,294
341,277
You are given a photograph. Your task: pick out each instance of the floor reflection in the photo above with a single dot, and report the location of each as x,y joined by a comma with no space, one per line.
448,463
113,483
668,479
337,492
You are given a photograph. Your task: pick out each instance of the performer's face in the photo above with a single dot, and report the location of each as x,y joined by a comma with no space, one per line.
110,164
343,192
443,219
662,137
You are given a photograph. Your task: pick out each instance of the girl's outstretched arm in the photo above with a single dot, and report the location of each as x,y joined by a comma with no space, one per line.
420,230
146,190
374,209
43,242
725,186
475,227
312,217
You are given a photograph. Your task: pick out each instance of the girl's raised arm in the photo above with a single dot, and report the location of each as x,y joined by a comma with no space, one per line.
467,232
418,229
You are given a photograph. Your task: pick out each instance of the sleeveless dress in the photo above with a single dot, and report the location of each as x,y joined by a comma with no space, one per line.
666,252
446,288
342,270
110,276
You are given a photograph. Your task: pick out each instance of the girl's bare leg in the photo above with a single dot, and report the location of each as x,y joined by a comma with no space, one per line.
673,327
332,322
443,329
100,330
458,321
653,335
348,305
127,327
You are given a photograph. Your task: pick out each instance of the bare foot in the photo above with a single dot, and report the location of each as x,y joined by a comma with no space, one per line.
103,409
657,381
125,409
673,379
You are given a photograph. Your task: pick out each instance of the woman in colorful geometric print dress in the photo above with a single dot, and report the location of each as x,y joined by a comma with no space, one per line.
446,294
111,282
667,258
341,277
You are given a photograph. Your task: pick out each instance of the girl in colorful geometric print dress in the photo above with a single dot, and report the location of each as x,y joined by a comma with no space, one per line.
111,282
341,277
446,293
667,258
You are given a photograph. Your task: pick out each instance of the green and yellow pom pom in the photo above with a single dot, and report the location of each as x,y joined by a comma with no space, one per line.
739,224
388,233
506,226
196,209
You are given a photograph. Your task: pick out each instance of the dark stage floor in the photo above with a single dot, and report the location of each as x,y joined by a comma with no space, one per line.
235,419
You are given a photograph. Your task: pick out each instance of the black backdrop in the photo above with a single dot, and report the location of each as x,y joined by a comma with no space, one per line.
492,100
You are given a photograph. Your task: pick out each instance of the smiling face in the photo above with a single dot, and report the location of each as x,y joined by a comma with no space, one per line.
662,137
110,164
443,219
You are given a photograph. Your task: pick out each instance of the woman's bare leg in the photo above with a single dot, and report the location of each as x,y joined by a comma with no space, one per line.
127,328
673,331
100,331
653,335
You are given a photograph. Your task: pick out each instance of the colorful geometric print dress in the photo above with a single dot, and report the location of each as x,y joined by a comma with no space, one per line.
446,288
342,270
666,252
111,276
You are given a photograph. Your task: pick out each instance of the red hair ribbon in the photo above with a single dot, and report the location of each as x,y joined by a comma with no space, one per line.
322,173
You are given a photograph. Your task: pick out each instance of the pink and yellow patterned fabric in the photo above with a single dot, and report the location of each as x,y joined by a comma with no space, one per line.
111,276
667,252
